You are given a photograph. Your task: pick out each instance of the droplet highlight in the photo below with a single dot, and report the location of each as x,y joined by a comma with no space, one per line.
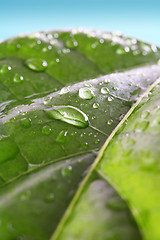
70,115
36,64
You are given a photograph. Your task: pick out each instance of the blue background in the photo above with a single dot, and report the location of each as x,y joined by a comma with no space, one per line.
139,18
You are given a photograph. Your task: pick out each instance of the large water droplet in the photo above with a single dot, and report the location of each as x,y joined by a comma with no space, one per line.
61,138
8,149
17,78
85,93
36,64
70,115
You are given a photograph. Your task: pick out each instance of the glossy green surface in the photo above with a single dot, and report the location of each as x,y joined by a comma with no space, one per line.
131,164
52,114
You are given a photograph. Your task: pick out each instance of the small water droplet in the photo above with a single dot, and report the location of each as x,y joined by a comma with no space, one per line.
50,198
61,138
70,115
110,122
120,51
85,93
66,171
84,145
96,105
104,90
36,64
73,133
46,130
107,80
72,44
97,141
5,68
115,88
110,99
26,122
87,85
17,78
64,91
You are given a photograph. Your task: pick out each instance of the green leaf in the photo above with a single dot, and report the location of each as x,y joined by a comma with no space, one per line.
53,121
133,155
127,161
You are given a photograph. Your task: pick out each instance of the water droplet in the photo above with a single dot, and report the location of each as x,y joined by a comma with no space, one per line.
8,149
96,105
120,51
110,99
84,145
46,130
107,80
36,64
70,115
87,85
50,198
64,91
101,40
5,68
72,43
17,78
66,171
97,141
110,122
73,133
61,138
85,93
104,90
26,122
114,88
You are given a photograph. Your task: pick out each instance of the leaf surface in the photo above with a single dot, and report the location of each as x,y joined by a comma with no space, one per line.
53,121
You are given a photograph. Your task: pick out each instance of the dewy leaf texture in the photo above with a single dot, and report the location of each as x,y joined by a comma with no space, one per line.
61,95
